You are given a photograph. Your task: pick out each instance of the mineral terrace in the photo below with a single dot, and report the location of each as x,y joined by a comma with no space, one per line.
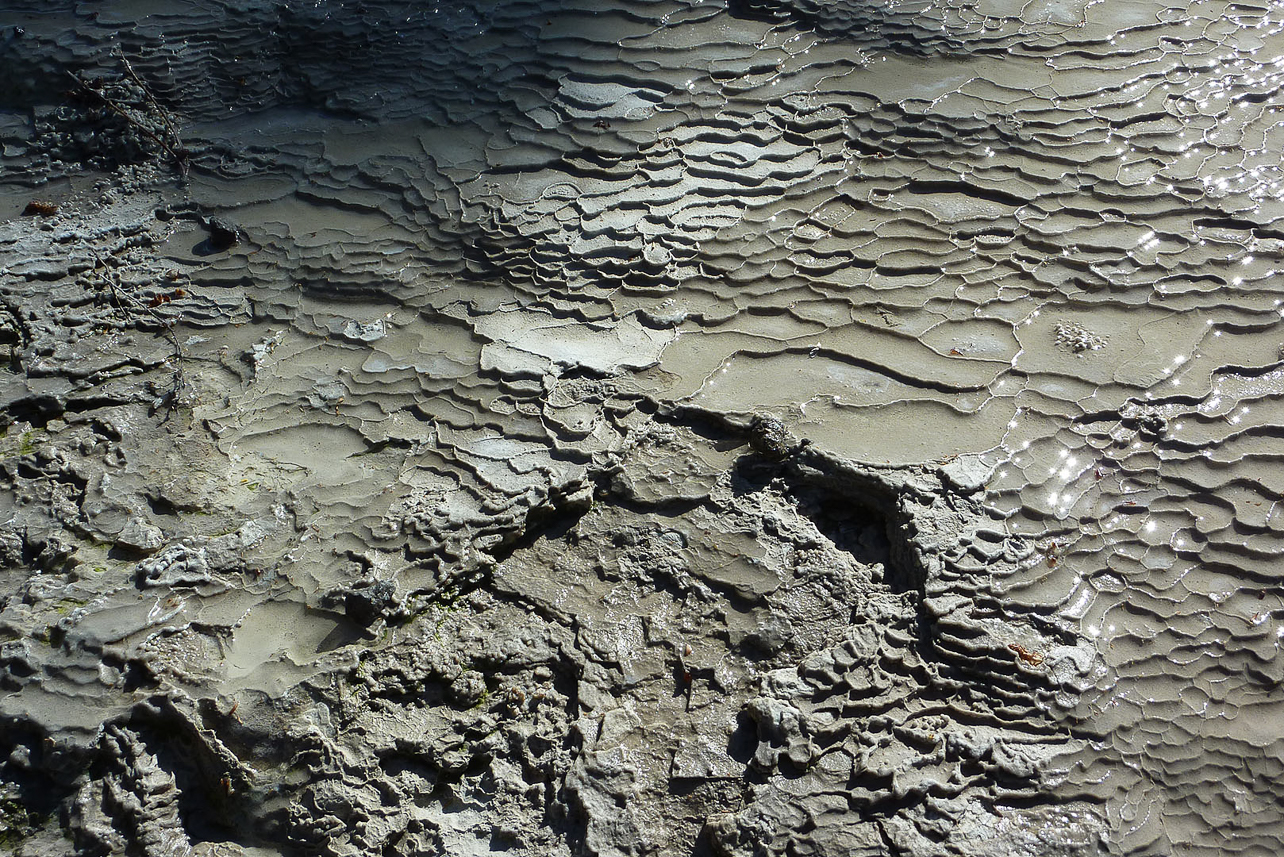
657,427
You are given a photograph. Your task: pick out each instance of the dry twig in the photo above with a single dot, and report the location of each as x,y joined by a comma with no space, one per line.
174,149
120,298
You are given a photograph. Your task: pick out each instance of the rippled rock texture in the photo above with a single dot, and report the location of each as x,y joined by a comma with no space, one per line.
773,427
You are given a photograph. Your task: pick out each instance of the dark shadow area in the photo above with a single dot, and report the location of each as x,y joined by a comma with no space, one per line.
207,816
210,247
212,797
744,740
551,521
885,25
344,634
37,410
136,674
37,784
752,473
854,526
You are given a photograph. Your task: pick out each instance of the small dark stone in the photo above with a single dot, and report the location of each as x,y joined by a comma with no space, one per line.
1152,427
769,437
366,604
223,233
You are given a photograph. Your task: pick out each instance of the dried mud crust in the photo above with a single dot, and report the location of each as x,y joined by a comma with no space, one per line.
708,635
772,664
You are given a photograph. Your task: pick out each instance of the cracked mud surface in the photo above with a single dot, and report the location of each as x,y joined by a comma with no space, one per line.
660,428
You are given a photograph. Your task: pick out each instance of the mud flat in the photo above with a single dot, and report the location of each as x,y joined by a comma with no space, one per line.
641,429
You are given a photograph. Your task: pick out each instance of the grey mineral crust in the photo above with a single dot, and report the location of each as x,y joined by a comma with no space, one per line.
778,427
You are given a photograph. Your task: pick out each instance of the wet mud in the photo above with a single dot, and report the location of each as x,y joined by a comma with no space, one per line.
656,428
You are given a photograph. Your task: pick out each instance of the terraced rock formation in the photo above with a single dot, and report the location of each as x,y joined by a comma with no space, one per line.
651,428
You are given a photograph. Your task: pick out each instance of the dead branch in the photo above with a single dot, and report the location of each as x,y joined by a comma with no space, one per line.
178,154
167,325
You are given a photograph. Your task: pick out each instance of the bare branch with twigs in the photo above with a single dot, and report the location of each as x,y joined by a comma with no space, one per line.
127,304
173,147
